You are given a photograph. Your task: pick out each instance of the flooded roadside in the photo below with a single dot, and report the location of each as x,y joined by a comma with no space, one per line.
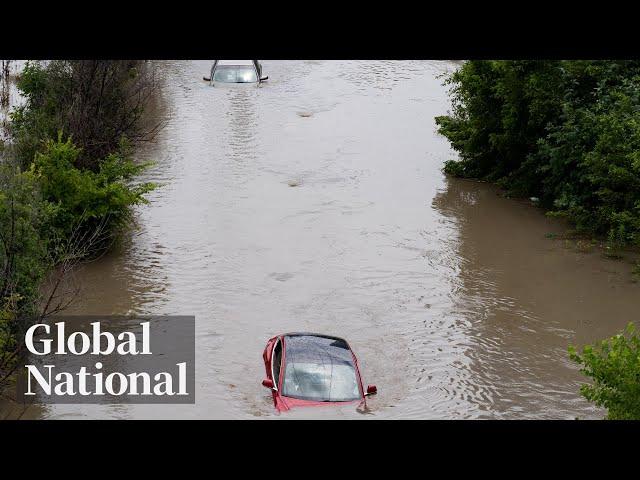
316,203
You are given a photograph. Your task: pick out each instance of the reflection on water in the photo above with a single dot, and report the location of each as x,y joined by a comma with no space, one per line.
521,299
316,203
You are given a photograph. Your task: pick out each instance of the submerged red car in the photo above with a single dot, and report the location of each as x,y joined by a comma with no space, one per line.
309,369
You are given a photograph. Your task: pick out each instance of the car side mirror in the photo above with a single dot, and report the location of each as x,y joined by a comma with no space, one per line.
372,390
206,79
267,382
265,78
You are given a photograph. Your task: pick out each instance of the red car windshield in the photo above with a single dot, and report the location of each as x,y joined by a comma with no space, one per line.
319,369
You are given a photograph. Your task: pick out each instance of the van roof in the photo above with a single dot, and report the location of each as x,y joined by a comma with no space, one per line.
236,62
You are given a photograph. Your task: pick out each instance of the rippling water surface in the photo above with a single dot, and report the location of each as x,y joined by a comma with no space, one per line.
316,203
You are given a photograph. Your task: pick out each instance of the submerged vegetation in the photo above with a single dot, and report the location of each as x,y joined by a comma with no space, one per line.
67,182
566,132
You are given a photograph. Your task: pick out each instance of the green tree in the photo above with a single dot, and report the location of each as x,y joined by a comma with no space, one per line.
567,132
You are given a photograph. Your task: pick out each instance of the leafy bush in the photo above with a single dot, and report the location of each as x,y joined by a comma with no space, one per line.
23,252
83,198
24,259
567,132
614,367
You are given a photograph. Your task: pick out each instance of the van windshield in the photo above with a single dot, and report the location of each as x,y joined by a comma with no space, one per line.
235,74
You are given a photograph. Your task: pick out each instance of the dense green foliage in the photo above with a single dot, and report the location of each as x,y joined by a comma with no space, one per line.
23,251
614,367
83,197
567,132
67,180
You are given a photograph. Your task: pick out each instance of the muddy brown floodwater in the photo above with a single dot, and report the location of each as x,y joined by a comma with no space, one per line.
316,203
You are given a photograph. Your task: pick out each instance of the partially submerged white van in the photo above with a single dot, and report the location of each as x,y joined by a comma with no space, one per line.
236,71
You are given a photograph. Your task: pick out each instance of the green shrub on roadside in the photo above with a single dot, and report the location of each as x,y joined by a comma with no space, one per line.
67,180
83,198
24,256
24,217
614,367
567,132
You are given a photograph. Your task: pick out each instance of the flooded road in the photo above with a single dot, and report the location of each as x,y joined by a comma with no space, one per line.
316,203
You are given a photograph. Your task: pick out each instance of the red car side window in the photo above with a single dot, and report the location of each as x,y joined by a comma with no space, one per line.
276,362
